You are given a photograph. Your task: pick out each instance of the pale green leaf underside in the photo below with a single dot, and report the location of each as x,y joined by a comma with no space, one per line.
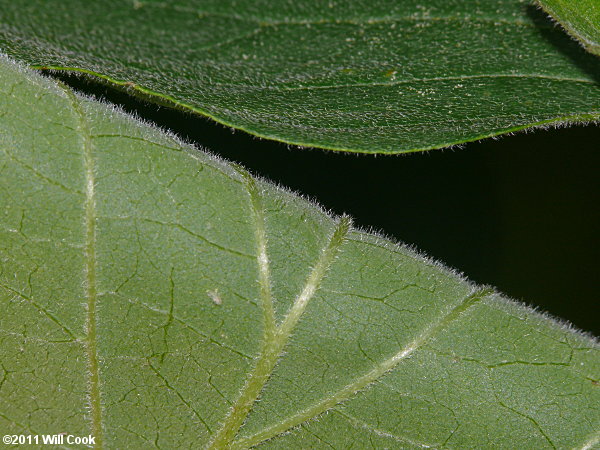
368,76
581,18
139,277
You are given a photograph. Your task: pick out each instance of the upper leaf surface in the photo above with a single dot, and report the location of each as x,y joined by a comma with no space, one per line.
146,289
386,76
581,18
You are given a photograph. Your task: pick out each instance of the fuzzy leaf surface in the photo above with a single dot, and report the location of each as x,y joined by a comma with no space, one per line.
386,76
581,18
147,290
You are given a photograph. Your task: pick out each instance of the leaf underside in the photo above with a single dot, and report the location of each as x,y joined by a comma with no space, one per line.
362,76
581,19
150,293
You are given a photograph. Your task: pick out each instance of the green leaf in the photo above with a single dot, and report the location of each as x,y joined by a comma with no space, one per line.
581,19
387,76
150,293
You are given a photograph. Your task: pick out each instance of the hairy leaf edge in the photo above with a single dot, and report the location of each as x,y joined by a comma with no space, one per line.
151,96
589,46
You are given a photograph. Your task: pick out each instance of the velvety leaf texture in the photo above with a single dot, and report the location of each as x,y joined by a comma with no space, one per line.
151,293
367,76
581,18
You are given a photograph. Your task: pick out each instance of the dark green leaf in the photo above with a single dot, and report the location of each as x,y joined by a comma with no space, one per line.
385,76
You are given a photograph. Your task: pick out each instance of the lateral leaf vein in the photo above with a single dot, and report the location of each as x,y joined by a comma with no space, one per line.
273,348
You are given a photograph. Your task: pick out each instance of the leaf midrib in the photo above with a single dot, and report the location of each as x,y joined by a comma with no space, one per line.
90,262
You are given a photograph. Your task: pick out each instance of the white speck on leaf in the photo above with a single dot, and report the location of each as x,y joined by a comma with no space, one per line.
214,296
